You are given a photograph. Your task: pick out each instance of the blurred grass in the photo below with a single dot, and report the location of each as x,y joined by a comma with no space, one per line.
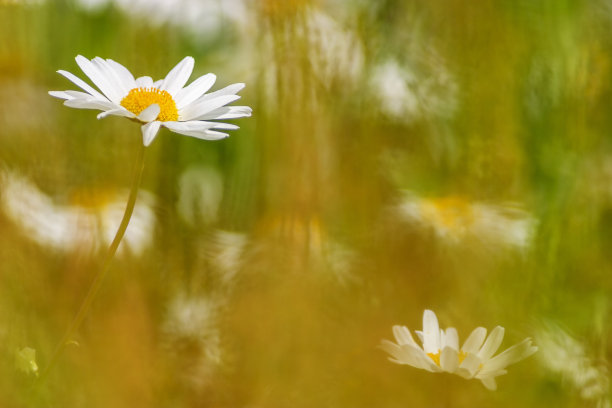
498,103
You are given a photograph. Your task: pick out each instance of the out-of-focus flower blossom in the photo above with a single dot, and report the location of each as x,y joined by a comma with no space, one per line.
335,58
85,226
167,102
225,250
200,18
440,351
565,355
335,52
25,360
200,193
407,96
455,218
191,331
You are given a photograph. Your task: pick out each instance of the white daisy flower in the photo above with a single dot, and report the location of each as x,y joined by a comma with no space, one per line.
441,353
575,361
455,219
167,102
81,227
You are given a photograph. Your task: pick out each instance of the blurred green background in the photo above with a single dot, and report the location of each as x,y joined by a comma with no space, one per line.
402,155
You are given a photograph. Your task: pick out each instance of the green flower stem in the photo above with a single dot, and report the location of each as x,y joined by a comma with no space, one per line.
112,250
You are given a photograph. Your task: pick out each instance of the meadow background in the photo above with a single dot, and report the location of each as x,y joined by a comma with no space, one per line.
402,155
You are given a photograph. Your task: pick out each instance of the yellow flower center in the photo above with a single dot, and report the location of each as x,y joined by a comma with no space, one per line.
449,213
138,99
435,357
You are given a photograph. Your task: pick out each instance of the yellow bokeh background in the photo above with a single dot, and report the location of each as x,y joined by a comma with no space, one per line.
401,156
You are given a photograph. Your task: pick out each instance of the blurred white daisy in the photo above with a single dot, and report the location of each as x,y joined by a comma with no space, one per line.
406,94
225,251
167,102
25,361
334,55
455,218
191,332
200,18
334,52
200,191
565,355
440,351
84,226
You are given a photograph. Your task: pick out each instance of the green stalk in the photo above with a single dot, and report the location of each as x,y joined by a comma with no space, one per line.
112,250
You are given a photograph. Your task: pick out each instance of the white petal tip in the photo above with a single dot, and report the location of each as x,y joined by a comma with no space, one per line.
149,132
57,94
150,113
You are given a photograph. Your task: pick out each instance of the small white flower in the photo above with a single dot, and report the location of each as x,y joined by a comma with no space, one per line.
25,361
407,93
203,19
76,227
455,219
191,333
167,102
200,191
575,361
441,353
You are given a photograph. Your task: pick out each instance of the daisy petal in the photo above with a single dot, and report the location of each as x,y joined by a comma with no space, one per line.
431,332
474,340
489,383
419,334
449,359
144,82
451,338
150,113
470,364
200,130
463,373
149,131
228,90
224,126
492,343
203,107
123,73
194,90
80,83
428,363
403,336
512,355
404,355
114,79
227,112
491,374
178,76
62,94
99,78
89,103
116,112
79,94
